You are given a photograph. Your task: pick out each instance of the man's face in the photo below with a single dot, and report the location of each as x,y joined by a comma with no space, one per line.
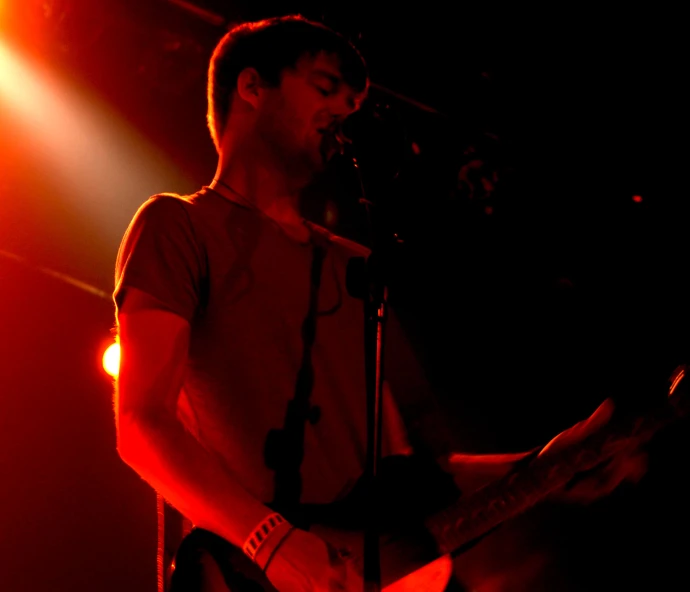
297,119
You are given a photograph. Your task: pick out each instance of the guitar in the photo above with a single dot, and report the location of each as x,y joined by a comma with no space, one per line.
425,521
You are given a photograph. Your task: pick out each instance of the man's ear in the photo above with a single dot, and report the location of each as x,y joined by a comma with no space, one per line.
249,84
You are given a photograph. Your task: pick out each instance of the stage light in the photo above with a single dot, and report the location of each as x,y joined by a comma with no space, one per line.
96,160
111,360
637,198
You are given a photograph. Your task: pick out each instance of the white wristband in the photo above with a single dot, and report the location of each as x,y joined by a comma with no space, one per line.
261,533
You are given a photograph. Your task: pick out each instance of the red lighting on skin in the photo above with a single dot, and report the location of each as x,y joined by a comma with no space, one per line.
637,198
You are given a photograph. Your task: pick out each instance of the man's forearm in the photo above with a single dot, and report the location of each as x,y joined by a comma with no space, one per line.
190,477
472,471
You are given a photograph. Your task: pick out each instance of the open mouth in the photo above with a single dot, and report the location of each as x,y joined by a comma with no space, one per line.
329,145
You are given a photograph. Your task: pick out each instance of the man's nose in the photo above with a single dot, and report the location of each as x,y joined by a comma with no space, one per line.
342,106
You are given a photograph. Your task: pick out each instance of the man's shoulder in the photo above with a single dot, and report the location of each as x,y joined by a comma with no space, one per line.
170,201
174,205
163,205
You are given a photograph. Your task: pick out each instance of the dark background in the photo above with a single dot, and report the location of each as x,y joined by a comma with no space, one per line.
528,304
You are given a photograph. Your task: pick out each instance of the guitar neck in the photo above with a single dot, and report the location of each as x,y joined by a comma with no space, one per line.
474,515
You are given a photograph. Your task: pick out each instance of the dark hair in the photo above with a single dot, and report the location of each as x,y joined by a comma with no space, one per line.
270,46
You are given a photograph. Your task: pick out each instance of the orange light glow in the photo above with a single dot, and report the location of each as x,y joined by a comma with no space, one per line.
111,360
81,143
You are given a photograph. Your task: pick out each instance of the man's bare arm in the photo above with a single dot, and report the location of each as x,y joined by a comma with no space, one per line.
474,471
154,442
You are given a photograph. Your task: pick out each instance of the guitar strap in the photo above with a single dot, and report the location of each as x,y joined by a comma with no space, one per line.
283,453
284,448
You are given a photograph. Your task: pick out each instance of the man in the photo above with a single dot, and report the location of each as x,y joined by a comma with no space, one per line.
230,306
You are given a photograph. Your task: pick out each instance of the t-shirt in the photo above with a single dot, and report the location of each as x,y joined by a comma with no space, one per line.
244,287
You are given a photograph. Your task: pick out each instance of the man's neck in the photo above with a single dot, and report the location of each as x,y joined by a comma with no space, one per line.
258,183
261,183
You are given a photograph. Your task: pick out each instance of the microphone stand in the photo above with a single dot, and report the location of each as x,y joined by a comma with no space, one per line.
367,280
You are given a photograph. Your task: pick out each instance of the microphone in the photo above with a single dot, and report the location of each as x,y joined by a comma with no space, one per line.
337,139
353,127
341,136
373,137
373,123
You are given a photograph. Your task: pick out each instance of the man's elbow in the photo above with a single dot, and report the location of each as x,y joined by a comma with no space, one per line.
126,426
136,436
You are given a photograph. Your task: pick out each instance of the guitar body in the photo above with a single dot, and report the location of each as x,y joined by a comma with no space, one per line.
233,572
508,560
412,488
423,518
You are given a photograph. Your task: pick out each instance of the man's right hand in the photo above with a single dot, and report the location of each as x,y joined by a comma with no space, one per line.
307,563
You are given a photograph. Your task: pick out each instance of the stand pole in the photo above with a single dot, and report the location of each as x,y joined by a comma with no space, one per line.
366,279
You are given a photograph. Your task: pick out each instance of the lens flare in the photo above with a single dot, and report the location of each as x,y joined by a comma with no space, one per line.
96,160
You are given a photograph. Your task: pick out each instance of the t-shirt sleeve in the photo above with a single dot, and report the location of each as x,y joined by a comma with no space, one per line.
160,255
